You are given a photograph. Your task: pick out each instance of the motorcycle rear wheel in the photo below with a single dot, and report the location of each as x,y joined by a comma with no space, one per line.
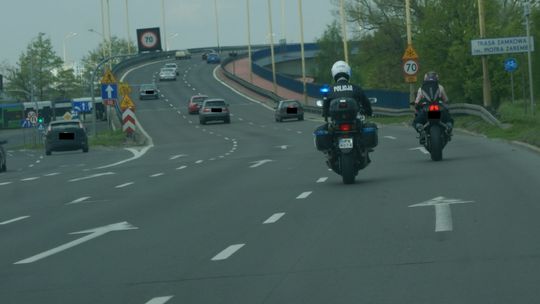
348,168
436,143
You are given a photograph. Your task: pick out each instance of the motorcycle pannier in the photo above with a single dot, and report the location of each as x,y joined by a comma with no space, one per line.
323,138
343,109
370,137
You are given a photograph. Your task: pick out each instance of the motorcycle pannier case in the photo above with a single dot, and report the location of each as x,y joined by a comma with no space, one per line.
370,137
343,109
323,138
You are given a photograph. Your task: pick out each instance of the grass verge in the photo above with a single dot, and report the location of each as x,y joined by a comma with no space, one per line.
108,139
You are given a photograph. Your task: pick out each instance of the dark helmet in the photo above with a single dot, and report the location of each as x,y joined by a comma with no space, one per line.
431,76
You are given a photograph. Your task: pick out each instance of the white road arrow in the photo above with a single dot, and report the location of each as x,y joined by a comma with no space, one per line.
92,234
109,91
421,149
443,213
259,163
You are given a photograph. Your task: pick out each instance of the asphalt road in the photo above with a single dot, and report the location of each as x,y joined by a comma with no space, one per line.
248,212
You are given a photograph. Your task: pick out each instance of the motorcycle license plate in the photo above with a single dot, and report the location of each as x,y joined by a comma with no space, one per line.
345,143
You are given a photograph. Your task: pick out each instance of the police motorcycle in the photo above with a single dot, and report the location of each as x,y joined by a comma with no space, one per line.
434,134
347,139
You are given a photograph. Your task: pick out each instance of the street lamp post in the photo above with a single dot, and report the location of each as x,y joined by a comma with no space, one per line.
163,24
302,55
127,29
249,40
66,37
217,25
527,12
344,31
171,35
272,46
103,51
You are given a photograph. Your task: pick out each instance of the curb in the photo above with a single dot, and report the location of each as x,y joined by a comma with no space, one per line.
526,145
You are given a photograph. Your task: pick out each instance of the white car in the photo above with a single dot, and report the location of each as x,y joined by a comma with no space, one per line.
172,65
167,74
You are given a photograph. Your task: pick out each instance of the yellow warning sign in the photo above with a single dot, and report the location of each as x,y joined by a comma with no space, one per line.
108,77
410,79
127,103
410,53
124,89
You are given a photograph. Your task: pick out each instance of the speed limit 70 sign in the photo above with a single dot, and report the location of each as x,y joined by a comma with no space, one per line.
148,39
410,67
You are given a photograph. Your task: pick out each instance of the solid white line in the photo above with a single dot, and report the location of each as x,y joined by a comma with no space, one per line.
199,161
225,254
124,185
159,300
29,179
136,153
5,183
79,200
322,179
274,218
181,167
443,218
91,176
14,220
304,195
52,174
237,92
390,137
157,174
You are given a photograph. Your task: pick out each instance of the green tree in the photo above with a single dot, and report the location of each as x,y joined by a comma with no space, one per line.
34,71
329,52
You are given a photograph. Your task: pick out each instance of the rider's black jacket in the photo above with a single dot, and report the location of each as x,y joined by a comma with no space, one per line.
344,89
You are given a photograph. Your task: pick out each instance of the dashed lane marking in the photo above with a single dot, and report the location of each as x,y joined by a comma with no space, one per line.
157,174
124,185
227,252
322,179
159,300
274,218
181,167
79,200
303,195
29,179
15,220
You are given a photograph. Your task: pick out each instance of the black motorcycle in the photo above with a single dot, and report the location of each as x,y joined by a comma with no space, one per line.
434,134
346,139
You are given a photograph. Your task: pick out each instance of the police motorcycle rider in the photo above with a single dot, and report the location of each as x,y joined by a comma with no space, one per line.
342,88
431,87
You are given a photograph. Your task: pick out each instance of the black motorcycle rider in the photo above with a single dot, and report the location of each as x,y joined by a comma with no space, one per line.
431,90
342,88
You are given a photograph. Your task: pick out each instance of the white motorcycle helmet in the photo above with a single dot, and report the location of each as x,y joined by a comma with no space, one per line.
341,69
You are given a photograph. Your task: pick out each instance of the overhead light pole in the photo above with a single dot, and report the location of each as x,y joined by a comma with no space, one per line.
172,35
217,25
485,71
163,24
249,40
527,12
344,30
109,40
302,54
127,28
272,46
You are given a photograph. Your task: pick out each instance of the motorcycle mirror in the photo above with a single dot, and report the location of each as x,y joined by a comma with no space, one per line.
319,103
372,100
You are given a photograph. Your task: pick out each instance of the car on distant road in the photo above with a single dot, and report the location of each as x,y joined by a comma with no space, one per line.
289,108
206,52
213,58
174,66
214,109
3,157
167,74
195,103
148,91
182,54
65,135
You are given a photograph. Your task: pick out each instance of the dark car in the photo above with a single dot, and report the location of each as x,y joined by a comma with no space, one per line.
206,52
289,108
195,103
3,166
214,109
213,58
65,135
148,91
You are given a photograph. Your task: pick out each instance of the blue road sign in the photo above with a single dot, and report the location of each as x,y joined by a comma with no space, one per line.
41,127
25,123
82,106
109,91
510,64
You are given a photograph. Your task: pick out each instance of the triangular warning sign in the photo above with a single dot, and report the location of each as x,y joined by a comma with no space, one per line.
108,78
410,53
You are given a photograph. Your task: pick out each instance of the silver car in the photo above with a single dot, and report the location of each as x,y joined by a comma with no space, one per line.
167,74
148,91
214,109
172,65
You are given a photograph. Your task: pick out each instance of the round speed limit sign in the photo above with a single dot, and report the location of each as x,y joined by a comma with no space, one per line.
410,67
149,39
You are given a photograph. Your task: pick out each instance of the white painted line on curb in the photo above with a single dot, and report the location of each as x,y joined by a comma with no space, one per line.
79,200
29,179
304,195
159,300
227,252
322,179
124,185
157,174
274,218
14,220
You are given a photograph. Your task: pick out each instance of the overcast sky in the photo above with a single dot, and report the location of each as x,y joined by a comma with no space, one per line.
193,20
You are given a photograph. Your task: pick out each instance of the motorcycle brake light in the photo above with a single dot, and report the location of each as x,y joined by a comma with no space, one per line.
345,127
434,108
